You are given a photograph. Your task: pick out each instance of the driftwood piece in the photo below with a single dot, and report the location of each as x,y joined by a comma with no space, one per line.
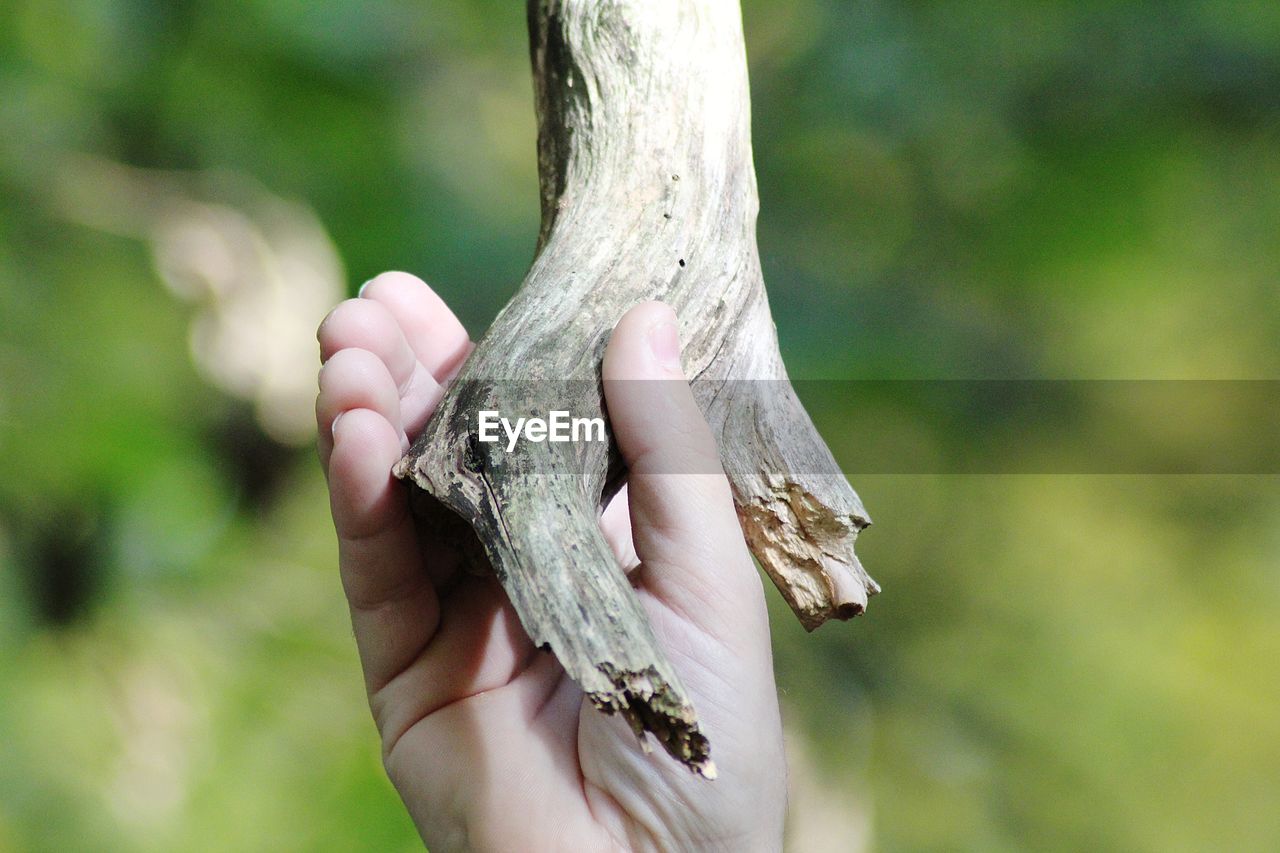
648,192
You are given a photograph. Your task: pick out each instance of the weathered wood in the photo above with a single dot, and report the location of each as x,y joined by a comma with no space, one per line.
648,192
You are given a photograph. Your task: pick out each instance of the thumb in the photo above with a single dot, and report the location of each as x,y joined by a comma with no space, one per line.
686,531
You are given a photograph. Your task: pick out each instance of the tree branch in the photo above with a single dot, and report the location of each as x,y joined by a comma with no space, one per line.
648,192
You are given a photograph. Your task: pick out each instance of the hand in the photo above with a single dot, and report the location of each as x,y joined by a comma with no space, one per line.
489,743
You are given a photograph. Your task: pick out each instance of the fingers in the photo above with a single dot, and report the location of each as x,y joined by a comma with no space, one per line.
382,355
682,516
354,379
436,337
364,324
394,609
615,524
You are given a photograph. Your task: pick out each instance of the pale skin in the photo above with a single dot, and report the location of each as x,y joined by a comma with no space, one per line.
490,745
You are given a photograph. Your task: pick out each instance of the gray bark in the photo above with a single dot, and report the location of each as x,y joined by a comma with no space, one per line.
648,192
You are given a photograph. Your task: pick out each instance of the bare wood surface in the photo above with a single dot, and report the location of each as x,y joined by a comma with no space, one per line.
648,192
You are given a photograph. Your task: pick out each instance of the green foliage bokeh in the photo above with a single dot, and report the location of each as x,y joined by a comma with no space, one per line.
992,189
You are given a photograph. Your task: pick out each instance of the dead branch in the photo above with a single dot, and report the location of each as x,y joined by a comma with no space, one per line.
648,192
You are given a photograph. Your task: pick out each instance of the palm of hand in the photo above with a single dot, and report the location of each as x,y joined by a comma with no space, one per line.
489,743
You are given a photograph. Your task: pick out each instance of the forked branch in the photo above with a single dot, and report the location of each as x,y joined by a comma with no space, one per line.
648,192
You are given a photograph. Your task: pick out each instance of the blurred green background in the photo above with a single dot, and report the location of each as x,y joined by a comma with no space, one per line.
989,189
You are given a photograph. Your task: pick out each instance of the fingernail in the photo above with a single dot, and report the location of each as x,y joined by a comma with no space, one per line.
664,342
333,428
360,292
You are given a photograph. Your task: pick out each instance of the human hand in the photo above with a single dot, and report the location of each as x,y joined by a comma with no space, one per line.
489,743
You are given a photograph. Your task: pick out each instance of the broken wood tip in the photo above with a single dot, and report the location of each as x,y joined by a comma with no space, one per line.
649,704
